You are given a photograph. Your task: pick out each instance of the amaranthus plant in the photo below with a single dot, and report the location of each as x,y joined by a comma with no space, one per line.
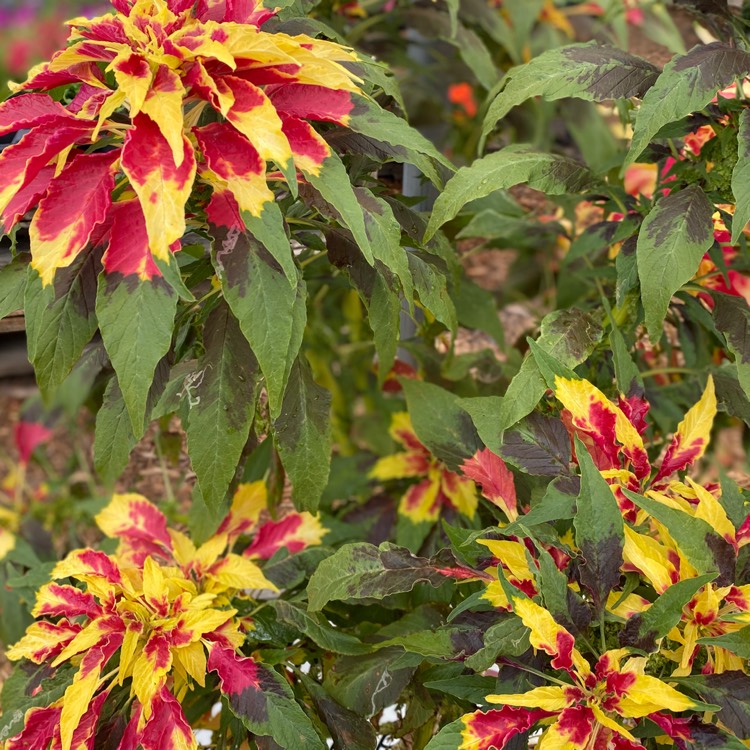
142,628
171,179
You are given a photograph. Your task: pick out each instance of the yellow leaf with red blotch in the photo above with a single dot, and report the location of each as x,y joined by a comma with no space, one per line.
43,640
133,75
249,501
201,83
21,162
649,694
137,522
256,118
550,698
55,600
76,202
550,637
596,416
93,635
150,670
421,501
710,510
78,695
485,730
163,105
294,532
236,572
233,159
628,606
192,659
87,565
309,148
162,188
460,492
693,434
128,252
400,466
167,728
651,558
511,555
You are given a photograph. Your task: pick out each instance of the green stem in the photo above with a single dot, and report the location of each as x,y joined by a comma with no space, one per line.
669,371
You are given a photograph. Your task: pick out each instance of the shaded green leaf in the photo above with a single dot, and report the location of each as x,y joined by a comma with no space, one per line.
672,241
60,319
271,313
113,436
363,571
645,630
13,284
303,436
687,84
221,405
585,71
599,530
511,166
135,320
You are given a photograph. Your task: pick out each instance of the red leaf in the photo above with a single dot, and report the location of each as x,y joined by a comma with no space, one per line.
495,478
42,725
495,728
22,162
29,435
29,110
77,201
312,102
128,252
167,727
26,198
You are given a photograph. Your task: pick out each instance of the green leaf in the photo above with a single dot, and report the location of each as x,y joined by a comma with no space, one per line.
384,233
672,241
332,182
585,71
732,318
450,737
509,637
369,119
538,445
599,530
741,178
264,702
687,84
556,505
271,313
320,632
367,684
60,319
113,436
511,166
221,405
363,571
705,549
476,308
30,686
440,422
731,691
645,630
567,335
303,436
432,289
135,320
13,284
435,24
469,687
737,642
269,230
349,730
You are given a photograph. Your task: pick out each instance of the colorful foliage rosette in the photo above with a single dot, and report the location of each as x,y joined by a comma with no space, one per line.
205,126
148,624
